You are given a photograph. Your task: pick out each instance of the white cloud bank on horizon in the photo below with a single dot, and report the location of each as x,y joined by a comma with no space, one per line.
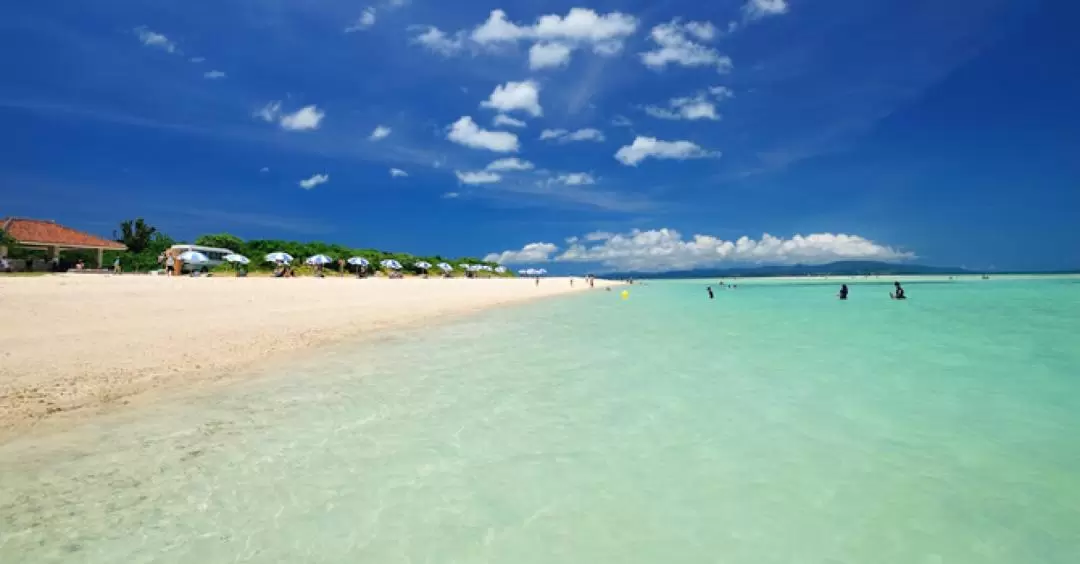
665,249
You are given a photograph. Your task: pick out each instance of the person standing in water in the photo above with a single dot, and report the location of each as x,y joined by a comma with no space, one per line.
899,294
709,290
843,292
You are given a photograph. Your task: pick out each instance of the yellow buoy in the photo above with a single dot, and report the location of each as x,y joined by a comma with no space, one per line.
625,294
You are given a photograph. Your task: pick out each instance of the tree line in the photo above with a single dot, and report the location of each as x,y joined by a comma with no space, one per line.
145,244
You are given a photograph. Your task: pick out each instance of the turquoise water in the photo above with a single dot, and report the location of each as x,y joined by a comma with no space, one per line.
773,424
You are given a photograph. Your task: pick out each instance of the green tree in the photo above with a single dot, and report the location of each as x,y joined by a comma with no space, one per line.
136,234
222,241
6,239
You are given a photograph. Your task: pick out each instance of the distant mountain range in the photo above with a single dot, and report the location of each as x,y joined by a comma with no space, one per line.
842,268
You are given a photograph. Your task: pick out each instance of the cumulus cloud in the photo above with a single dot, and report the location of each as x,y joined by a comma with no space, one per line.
565,136
439,42
621,121
701,105
524,96
304,119
477,177
649,147
269,112
398,173
512,163
548,55
505,120
155,39
465,132
450,195
666,249
380,132
678,44
533,252
315,180
214,74
554,37
757,9
366,20
575,179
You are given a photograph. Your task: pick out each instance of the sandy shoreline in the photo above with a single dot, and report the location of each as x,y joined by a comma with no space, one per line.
75,341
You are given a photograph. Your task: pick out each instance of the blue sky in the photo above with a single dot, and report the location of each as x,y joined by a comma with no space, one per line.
646,134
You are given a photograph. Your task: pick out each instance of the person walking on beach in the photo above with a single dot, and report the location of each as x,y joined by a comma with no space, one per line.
571,282
843,292
116,268
170,264
709,290
537,281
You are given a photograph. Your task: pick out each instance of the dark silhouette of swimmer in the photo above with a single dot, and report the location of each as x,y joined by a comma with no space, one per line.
899,294
709,289
843,291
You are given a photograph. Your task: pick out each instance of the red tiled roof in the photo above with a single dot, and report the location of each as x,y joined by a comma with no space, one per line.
51,233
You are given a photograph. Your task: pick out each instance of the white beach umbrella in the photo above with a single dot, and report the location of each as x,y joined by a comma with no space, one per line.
542,271
238,259
279,257
444,267
358,261
319,259
194,257
465,266
422,265
486,268
500,269
391,264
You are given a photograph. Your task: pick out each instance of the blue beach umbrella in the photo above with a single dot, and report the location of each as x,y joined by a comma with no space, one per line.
422,265
279,257
444,267
465,266
319,259
500,269
391,264
358,261
237,259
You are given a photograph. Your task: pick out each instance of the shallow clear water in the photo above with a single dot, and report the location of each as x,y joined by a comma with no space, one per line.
773,424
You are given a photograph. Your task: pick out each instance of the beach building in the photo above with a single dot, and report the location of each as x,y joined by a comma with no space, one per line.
53,237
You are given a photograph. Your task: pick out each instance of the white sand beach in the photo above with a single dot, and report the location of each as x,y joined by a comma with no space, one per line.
77,341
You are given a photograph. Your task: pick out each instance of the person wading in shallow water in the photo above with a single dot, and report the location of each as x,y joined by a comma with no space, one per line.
899,293
843,292
709,290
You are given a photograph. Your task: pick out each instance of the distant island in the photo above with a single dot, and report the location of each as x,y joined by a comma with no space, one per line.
840,268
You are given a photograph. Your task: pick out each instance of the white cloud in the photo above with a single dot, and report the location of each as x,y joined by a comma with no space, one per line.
315,180
554,36
366,20
397,172
264,169
477,177
269,112
524,96
512,163
439,42
564,136
533,252
465,132
548,55
646,147
698,106
380,132
621,121
676,45
450,195
575,179
666,249
503,119
197,59
304,119
154,39
214,74
756,9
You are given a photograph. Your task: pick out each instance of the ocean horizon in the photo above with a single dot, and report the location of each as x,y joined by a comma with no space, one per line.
772,424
